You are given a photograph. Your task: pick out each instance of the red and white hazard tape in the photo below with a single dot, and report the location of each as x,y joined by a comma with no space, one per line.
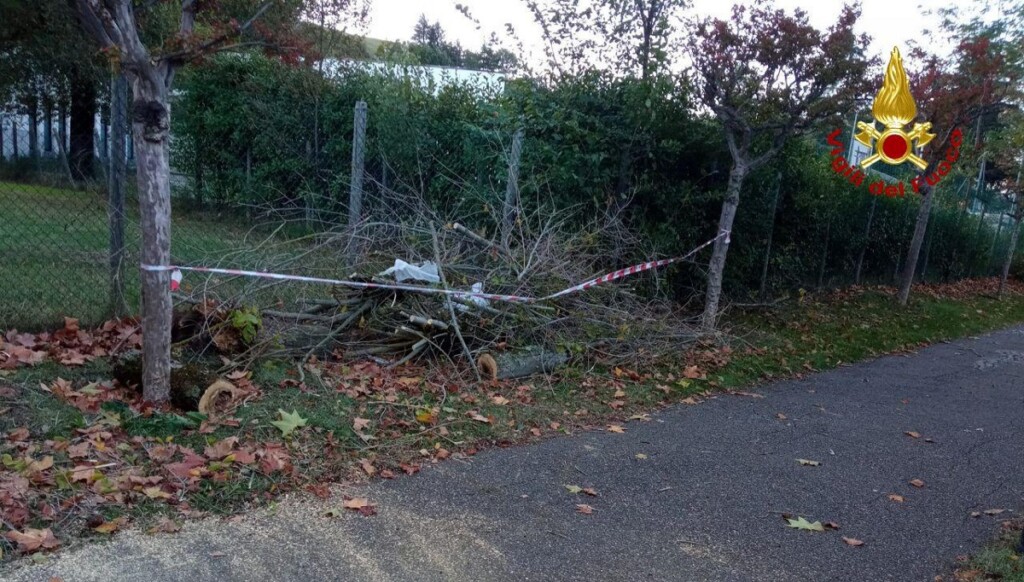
176,278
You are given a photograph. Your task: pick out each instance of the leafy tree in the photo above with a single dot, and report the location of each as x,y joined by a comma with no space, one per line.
975,81
767,76
627,37
45,62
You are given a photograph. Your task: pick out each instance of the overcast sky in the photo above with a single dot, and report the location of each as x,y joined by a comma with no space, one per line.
889,22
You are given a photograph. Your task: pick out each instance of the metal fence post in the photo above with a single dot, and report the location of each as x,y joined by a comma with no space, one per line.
115,192
512,187
355,194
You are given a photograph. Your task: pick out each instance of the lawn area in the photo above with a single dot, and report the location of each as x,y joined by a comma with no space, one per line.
83,457
998,561
54,253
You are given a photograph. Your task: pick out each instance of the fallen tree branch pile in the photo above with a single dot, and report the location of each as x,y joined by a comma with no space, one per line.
543,253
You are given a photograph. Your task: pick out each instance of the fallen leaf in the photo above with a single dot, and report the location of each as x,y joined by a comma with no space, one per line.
616,428
288,422
555,425
780,416
368,467
425,416
584,508
33,539
40,465
801,523
535,432
641,456
109,527
164,525
220,449
574,489
360,424
917,483
896,498
356,503
690,400
500,400
156,493
993,511
478,417
831,525
912,434
360,504
808,463
590,491
693,373
853,542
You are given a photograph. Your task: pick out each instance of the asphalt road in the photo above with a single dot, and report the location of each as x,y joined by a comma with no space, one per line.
705,503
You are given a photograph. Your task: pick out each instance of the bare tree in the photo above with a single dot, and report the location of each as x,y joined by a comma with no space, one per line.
767,76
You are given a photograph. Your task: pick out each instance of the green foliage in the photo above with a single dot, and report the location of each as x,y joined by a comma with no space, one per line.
257,132
248,322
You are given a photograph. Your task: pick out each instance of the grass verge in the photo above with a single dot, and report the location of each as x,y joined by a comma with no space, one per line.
999,561
82,457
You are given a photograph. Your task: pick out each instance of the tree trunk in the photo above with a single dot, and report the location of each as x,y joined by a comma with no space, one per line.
83,125
115,191
920,228
995,243
151,116
33,128
867,241
824,253
48,127
1008,262
771,236
721,248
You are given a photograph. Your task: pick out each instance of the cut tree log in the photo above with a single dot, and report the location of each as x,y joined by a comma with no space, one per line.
521,364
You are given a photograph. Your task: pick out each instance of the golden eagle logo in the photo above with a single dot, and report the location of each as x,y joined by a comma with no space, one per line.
894,108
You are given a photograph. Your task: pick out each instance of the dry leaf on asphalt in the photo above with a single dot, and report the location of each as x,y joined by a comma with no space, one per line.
986,512
356,503
593,492
801,523
853,542
574,489
912,434
360,504
896,498
641,456
780,416
917,483
616,428
368,467
165,525
808,463
584,508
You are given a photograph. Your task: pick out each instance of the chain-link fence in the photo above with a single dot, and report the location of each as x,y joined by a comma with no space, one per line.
56,247
267,155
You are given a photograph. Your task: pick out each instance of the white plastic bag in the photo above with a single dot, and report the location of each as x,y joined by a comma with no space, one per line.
403,271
